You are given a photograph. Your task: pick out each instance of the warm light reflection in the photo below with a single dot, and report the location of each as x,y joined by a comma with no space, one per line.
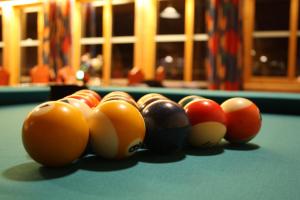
3,4
100,3
263,59
170,13
169,59
80,75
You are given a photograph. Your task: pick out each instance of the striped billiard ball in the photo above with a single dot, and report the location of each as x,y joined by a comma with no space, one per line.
208,122
117,129
243,119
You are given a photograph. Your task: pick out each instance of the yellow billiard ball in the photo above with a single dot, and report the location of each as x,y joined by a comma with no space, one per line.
55,134
117,129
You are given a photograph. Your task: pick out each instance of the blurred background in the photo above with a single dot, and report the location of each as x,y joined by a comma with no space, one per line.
207,44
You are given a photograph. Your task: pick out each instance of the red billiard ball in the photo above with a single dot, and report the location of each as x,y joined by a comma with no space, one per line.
243,120
92,102
208,122
86,91
55,134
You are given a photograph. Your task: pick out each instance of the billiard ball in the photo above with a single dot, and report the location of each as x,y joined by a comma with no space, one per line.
84,108
149,98
117,93
121,98
95,94
243,120
117,129
86,111
55,134
90,101
184,101
90,95
167,126
208,122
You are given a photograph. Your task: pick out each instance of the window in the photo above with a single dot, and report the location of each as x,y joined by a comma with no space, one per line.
271,38
200,42
92,39
1,41
170,38
123,19
170,18
122,60
272,15
122,39
298,47
170,56
199,23
29,41
200,49
298,58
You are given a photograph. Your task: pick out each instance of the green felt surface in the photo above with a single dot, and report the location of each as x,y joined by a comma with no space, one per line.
15,95
268,168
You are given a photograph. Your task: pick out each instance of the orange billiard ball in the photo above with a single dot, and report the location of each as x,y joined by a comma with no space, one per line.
243,119
117,129
55,134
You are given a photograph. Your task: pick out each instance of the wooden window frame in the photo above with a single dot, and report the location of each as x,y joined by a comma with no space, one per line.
288,83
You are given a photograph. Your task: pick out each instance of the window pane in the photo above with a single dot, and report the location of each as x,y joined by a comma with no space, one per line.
199,17
298,59
92,60
30,28
122,60
123,19
170,56
270,57
1,49
1,29
200,50
1,56
91,20
28,59
272,14
167,23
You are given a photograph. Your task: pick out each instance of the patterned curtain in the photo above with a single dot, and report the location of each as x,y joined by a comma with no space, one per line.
224,28
57,33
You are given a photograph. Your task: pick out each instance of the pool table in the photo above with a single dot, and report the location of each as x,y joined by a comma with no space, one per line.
266,168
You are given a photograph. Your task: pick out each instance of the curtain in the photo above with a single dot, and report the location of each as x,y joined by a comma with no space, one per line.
57,33
224,58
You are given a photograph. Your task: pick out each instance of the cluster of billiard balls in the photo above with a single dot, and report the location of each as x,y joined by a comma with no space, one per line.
57,133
